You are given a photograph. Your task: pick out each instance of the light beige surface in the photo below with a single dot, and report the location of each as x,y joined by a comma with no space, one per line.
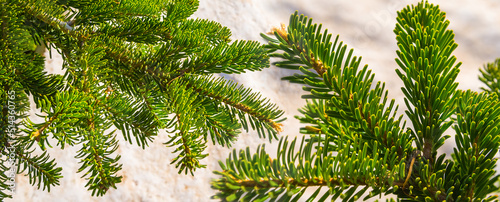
364,25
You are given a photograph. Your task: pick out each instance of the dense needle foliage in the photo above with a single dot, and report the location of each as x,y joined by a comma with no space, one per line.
132,67
354,142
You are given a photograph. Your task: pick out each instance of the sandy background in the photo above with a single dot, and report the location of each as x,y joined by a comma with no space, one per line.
367,26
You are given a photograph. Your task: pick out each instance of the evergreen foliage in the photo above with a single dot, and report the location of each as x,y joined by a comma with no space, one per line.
138,66
354,142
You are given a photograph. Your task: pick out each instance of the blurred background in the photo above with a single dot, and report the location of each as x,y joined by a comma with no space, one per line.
366,26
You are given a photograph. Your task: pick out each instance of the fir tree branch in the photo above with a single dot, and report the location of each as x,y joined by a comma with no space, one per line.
490,76
102,168
188,126
477,142
141,112
245,176
46,172
4,185
132,64
221,126
316,63
189,159
303,182
241,99
338,78
428,66
50,13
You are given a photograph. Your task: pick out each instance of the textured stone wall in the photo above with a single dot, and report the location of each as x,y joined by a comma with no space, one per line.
367,26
